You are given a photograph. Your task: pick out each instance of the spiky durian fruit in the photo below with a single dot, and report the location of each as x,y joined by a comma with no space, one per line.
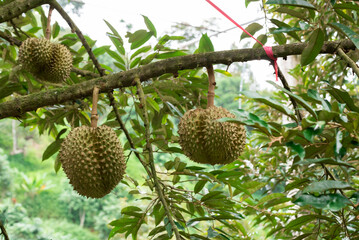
60,65
34,54
93,160
205,140
47,61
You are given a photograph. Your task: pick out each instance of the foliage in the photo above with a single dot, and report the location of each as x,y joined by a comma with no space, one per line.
296,179
5,176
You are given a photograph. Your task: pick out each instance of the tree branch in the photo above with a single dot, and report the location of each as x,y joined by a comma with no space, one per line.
351,63
17,7
23,104
151,159
3,231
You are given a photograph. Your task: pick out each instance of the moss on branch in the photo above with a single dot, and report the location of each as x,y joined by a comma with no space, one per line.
17,7
20,105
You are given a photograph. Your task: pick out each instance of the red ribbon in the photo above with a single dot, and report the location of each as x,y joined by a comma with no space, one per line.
267,49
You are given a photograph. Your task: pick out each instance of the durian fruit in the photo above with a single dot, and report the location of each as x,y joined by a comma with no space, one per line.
47,61
34,54
93,160
205,140
60,65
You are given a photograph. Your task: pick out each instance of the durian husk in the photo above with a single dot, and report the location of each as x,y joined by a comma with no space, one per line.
47,61
34,54
93,160
205,140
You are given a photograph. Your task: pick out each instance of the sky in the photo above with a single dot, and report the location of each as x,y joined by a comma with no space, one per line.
166,13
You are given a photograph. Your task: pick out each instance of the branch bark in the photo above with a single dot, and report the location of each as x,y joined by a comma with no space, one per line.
351,63
17,7
20,105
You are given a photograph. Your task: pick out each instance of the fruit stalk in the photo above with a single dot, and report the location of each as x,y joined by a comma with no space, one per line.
211,86
48,28
94,115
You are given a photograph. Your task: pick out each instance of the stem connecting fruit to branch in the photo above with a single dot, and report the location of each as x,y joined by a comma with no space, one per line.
211,86
94,115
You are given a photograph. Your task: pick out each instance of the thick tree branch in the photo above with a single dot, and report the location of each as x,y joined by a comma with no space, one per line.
21,105
17,7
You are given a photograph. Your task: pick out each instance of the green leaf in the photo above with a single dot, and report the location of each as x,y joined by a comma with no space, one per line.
150,26
296,184
138,38
213,194
199,185
289,29
252,29
261,38
300,221
270,197
329,161
298,3
350,33
114,31
205,44
297,148
170,54
57,164
115,56
153,104
298,14
333,202
303,236
53,148
141,50
117,43
130,209
299,100
135,62
326,185
343,97
55,30
270,102
315,43
280,38
353,6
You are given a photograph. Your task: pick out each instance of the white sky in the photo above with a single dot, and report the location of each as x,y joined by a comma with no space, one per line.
164,14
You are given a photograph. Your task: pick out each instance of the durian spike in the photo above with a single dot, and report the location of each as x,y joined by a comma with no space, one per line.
94,115
211,86
48,28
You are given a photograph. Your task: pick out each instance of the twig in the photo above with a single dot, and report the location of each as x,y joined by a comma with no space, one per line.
48,28
151,159
10,39
3,231
85,73
94,115
286,86
211,86
14,27
124,129
351,63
